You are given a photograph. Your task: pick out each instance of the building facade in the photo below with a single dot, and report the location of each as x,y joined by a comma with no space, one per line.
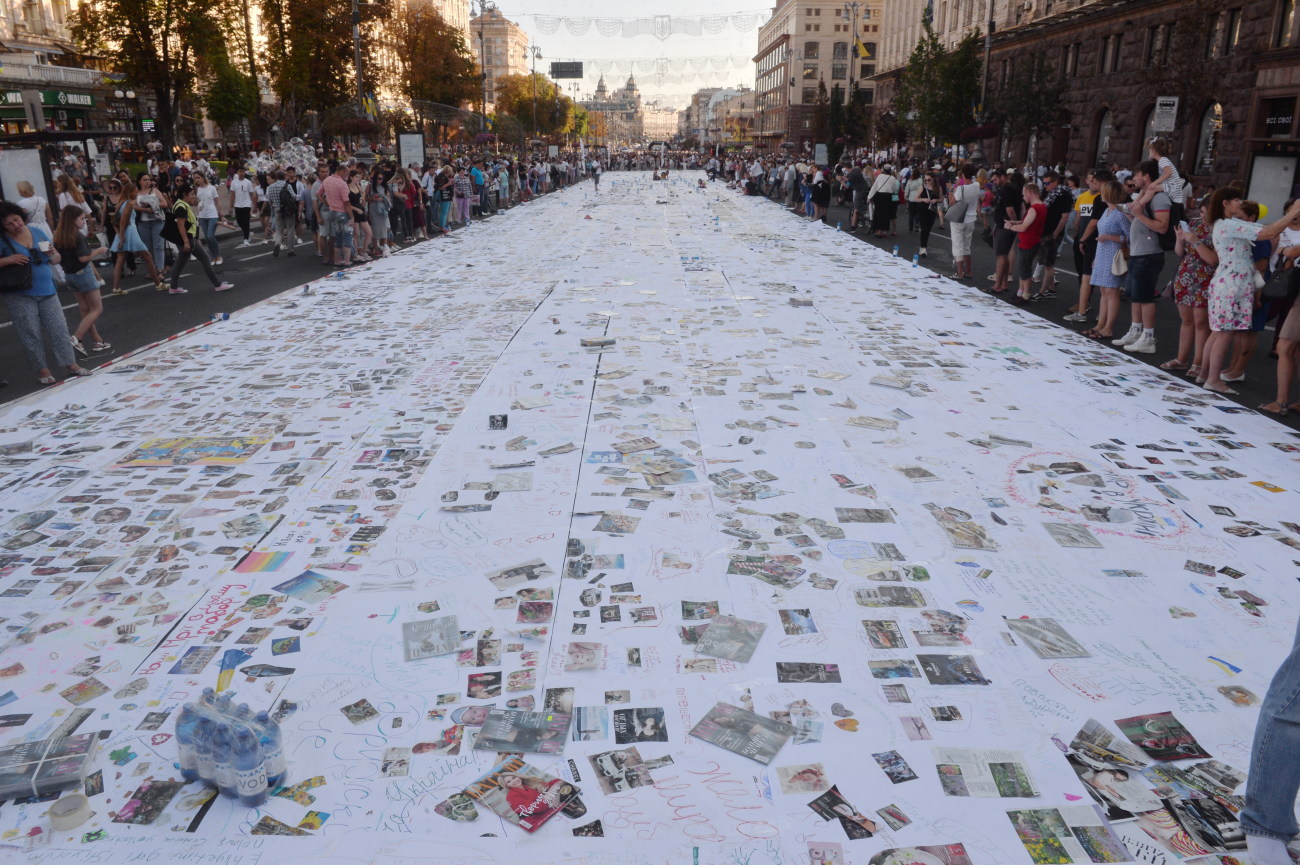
619,116
690,121
660,123
1231,68
501,47
35,43
804,44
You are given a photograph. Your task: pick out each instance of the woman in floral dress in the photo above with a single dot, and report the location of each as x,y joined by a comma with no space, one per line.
1232,290
1192,292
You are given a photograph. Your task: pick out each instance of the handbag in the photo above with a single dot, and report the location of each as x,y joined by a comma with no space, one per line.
1278,287
1119,264
957,210
15,277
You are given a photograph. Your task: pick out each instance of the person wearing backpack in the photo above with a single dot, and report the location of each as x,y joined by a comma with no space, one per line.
1149,214
285,196
182,229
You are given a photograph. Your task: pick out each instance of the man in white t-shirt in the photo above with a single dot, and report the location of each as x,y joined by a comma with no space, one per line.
244,195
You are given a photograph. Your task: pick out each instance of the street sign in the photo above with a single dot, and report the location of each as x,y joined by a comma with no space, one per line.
1165,114
566,70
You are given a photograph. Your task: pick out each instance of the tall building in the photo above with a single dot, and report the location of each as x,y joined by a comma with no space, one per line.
690,121
619,115
34,40
1228,69
728,117
660,123
501,47
454,12
804,44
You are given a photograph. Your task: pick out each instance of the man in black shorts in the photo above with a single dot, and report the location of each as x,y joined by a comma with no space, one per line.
1059,201
1007,207
1090,206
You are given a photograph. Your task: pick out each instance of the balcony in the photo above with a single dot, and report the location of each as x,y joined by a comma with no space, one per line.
42,73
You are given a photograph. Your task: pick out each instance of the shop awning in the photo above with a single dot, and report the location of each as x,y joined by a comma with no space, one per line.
26,47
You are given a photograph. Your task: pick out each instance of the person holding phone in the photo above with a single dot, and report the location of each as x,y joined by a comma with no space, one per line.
27,282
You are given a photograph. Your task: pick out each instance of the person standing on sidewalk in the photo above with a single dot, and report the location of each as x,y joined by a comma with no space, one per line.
1268,819
243,197
1030,236
338,213
1060,203
1149,213
1090,206
186,238
1008,206
965,192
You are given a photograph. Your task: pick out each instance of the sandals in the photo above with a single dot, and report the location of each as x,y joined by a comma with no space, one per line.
1277,412
47,379
79,372
1173,365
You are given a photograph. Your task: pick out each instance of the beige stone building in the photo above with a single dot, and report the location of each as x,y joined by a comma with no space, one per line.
804,43
501,47
619,116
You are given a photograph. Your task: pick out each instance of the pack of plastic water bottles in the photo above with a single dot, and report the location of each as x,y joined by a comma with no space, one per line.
231,748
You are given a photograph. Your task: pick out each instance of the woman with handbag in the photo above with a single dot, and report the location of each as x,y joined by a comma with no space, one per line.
962,213
1110,264
884,201
1232,290
27,286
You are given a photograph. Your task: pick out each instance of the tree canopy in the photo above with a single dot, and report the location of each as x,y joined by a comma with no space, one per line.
555,111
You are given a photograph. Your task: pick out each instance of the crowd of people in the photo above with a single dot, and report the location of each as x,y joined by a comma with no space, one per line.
168,214
1236,268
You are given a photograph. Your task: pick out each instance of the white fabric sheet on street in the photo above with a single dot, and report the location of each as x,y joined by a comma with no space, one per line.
806,555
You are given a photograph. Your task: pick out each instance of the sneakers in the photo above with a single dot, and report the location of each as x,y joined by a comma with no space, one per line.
217,260
1048,293
177,291
1074,316
1144,344
225,286
1128,338
246,243
924,253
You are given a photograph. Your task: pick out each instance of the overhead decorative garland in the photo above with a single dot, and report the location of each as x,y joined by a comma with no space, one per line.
658,26
661,65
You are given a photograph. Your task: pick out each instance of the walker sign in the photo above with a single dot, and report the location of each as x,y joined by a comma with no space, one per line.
1164,115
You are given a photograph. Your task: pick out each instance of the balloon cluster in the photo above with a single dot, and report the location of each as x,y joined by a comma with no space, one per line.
293,153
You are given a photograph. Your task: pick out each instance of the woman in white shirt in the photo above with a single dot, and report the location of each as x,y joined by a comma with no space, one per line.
36,208
207,214
70,195
963,230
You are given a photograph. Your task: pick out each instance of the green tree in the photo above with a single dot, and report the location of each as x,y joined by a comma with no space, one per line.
430,62
229,95
1030,102
155,44
554,109
938,89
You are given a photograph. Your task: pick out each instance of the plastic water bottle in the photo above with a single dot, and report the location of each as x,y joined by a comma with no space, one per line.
206,767
250,769
272,750
895,249
916,259
188,757
839,226
223,760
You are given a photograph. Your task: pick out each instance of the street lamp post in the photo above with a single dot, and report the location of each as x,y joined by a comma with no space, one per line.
537,53
851,9
484,6
356,57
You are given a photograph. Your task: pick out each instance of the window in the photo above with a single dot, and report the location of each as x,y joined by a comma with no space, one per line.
807,28
867,96
817,12
1105,129
840,51
839,71
1285,23
810,50
1231,31
1110,52
809,95
817,28
1279,117
1156,39
868,50
867,70
810,72
1072,60
1207,146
